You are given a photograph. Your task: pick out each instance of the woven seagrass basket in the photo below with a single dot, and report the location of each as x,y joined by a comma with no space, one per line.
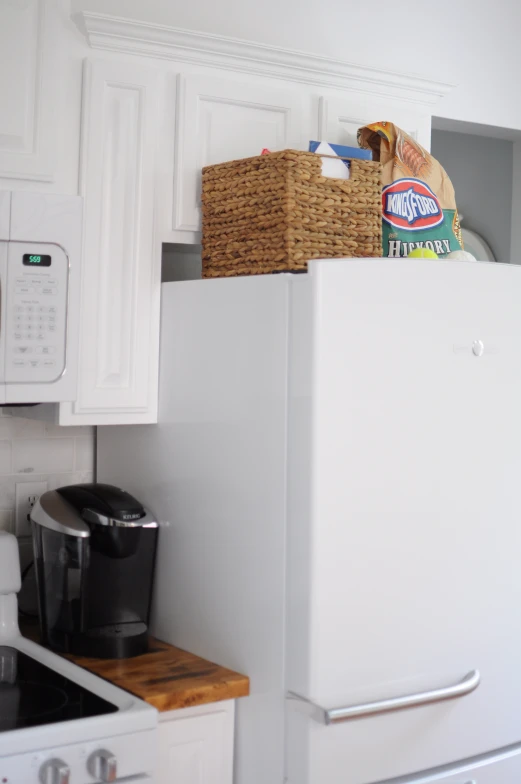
274,212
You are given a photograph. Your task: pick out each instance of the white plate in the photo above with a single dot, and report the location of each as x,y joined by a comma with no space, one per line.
475,244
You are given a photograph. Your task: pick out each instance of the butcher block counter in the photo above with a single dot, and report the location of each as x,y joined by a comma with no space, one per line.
166,677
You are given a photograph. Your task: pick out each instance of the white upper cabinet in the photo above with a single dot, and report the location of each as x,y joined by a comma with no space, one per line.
223,119
340,117
21,52
119,339
38,86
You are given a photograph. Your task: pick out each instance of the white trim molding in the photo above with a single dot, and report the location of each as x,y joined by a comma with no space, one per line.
170,43
32,176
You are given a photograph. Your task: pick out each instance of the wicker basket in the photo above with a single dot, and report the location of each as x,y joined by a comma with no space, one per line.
274,212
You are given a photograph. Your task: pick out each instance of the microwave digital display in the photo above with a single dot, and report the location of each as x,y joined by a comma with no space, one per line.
30,260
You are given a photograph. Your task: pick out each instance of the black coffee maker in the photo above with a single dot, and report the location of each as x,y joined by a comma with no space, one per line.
94,551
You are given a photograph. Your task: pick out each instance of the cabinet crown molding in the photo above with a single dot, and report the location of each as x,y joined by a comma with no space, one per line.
170,43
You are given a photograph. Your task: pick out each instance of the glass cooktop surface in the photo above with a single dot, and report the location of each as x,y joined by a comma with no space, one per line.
32,694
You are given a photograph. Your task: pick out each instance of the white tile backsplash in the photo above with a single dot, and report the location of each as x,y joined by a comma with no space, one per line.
60,431
74,478
6,520
34,451
42,455
17,427
84,459
5,457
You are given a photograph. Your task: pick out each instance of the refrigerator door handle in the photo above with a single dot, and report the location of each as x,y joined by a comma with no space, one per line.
335,715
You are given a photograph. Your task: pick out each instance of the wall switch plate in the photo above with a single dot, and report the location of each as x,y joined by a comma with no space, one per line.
27,493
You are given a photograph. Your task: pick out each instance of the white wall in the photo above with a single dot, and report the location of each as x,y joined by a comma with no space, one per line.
471,43
481,171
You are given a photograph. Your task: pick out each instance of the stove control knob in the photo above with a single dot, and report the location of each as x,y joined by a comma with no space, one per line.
55,771
102,765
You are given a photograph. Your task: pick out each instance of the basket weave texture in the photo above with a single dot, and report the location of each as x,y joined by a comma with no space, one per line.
274,212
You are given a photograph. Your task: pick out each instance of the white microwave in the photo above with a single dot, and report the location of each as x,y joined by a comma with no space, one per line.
40,251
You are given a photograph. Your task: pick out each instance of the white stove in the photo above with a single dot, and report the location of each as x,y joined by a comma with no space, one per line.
59,724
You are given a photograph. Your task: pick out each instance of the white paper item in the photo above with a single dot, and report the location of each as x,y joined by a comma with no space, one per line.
332,167
335,168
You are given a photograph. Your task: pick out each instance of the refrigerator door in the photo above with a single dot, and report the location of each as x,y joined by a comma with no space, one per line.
501,768
405,573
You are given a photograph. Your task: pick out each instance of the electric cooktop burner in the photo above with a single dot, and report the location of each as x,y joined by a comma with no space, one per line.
31,694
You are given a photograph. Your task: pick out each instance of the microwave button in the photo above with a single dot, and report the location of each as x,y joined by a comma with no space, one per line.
45,350
23,289
48,363
18,317
22,350
34,363
30,308
52,327
17,335
19,363
51,309
19,309
40,336
48,290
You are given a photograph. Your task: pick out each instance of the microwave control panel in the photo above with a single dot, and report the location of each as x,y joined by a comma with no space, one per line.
35,312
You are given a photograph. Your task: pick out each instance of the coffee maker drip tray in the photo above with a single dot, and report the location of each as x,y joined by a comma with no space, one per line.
115,641
31,694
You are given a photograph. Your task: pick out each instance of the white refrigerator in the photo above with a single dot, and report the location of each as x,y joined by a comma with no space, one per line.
337,469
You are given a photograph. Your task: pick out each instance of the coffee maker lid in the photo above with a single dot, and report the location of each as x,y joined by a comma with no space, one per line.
107,505
54,512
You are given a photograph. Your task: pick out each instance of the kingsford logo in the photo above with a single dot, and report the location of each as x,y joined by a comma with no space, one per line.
410,204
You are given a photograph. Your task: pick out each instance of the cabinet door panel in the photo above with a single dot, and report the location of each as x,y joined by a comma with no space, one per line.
221,120
341,118
35,118
198,749
121,264
20,22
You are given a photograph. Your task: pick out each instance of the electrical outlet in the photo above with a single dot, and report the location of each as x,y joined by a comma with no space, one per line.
27,494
